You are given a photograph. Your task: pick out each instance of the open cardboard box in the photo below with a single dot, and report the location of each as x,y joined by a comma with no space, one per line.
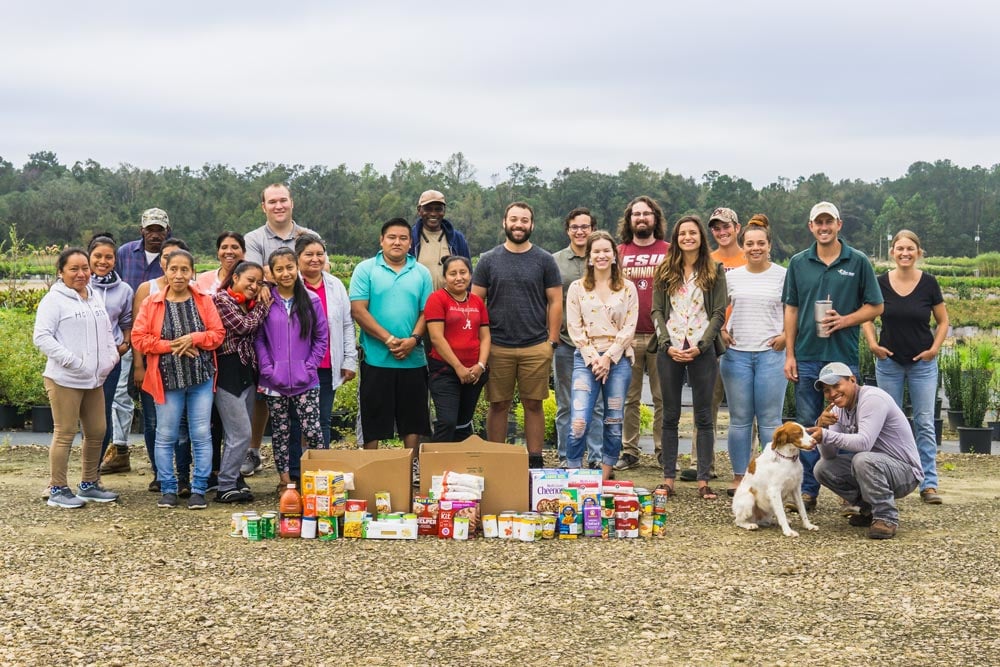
504,467
374,470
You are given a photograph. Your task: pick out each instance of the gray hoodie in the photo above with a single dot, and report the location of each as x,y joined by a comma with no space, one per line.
118,301
76,337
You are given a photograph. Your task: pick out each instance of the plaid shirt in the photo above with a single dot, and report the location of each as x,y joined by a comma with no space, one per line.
132,267
241,327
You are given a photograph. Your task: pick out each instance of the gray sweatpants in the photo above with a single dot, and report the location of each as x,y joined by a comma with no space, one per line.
876,478
235,413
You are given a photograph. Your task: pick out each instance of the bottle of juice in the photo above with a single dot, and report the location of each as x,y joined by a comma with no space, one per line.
290,513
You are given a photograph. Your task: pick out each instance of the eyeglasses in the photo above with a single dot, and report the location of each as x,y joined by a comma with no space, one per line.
579,228
643,214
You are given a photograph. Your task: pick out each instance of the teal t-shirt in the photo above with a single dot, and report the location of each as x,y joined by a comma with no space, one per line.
849,281
395,300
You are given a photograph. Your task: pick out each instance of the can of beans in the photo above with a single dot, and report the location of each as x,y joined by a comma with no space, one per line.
253,529
548,525
244,521
269,525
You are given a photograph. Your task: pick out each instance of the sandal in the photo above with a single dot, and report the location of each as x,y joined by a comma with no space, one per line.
707,493
669,489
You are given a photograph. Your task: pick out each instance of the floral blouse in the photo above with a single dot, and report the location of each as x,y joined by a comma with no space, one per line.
598,327
688,319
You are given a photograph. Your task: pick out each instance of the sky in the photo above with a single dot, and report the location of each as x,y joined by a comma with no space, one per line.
758,90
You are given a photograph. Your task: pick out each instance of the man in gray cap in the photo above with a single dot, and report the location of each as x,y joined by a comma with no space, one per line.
867,452
434,237
135,263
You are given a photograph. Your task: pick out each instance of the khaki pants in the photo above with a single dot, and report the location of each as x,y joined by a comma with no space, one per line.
645,364
69,408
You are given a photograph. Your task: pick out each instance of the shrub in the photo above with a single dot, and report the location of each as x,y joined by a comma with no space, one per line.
21,363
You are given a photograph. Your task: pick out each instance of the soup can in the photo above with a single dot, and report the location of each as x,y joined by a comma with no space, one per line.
548,525
269,525
490,525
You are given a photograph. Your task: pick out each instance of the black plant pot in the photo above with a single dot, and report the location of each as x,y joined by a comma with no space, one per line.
11,417
956,419
41,419
996,429
975,440
869,381
938,430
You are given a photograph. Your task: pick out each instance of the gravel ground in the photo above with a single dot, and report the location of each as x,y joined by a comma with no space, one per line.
128,584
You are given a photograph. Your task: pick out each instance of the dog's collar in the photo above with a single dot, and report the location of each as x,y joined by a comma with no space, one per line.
793,457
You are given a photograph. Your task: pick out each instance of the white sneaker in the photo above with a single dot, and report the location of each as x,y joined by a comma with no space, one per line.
96,494
251,463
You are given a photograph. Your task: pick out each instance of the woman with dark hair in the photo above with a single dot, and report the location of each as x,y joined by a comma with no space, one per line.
178,329
753,368
689,307
340,363
290,346
117,296
73,330
459,329
906,351
230,249
602,310
242,301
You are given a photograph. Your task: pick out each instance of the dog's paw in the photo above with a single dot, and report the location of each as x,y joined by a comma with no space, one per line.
790,533
810,526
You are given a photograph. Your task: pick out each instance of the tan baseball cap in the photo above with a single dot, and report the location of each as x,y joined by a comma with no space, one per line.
154,216
824,207
431,196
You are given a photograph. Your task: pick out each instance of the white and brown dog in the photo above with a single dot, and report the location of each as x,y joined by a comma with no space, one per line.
772,478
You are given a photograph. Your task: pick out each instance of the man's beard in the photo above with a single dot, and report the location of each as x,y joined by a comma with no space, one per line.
509,234
644,233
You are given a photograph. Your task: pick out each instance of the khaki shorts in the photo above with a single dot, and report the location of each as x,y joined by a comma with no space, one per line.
528,367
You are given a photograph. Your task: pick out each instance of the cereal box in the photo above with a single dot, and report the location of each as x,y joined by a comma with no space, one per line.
546,485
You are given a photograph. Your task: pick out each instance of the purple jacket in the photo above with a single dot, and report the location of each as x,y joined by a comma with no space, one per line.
288,362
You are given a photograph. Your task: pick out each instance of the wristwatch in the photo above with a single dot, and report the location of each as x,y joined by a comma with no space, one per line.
554,344
417,337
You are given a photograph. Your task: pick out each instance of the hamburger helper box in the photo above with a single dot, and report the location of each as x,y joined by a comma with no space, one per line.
375,471
503,467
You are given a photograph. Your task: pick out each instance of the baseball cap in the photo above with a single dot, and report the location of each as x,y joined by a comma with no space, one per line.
429,197
155,216
824,207
831,374
723,214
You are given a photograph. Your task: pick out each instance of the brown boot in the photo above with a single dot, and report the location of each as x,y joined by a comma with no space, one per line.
115,460
881,530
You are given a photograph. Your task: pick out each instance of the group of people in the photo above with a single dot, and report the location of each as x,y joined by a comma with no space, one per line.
271,333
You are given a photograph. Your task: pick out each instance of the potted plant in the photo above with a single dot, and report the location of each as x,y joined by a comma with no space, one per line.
788,409
994,406
950,370
977,386
21,366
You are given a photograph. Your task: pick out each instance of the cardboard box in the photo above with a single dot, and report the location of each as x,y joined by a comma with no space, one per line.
504,467
374,470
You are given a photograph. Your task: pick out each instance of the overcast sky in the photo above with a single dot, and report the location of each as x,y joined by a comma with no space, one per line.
759,90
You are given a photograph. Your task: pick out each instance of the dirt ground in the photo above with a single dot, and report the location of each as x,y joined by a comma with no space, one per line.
129,584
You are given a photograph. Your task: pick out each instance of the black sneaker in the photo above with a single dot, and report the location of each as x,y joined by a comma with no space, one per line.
154,486
232,496
535,461
183,488
594,465
688,475
213,483
197,502
860,520
627,462
167,501
242,485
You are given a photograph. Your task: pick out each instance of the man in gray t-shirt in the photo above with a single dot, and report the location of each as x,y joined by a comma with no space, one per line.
868,454
522,288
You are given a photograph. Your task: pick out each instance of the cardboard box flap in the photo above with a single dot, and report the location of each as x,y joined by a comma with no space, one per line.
504,467
472,445
374,470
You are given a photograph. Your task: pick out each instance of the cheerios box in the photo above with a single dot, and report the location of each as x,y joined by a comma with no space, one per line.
375,471
503,467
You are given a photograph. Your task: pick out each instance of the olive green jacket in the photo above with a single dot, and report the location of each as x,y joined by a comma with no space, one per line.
715,305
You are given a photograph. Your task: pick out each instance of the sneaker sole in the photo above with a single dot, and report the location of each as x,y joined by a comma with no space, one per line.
52,503
96,500
166,506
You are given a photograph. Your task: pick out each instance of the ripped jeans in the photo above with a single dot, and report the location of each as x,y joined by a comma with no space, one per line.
585,392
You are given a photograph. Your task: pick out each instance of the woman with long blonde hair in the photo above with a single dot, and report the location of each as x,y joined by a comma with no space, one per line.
689,307
602,310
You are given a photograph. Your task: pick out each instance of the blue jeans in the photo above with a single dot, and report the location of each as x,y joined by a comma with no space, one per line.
110,389
562,373
808,405
922,378
149,427
197,402
755,387
586,389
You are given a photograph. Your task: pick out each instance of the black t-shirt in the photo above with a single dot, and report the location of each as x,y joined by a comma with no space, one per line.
515,294
906,329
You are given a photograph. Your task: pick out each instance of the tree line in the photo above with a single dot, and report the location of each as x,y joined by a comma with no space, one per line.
50,202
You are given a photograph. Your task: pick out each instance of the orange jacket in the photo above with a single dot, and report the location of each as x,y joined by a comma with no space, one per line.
146,335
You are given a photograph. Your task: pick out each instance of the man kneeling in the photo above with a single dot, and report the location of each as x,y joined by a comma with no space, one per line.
868,454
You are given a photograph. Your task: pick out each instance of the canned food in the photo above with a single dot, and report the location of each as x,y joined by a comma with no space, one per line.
660,500
461,531
253,529
505,525
236,524
269,525
490,528
548,525
243,523
527,523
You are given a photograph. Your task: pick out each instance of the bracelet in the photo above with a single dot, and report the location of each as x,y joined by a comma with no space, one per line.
480,364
